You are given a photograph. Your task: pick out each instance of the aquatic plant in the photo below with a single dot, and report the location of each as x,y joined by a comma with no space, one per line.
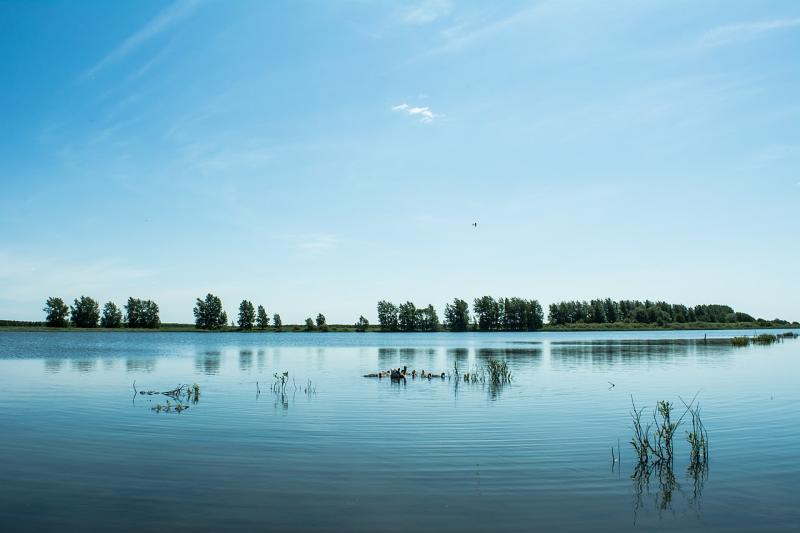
659,445
498,371
765,338
740,341
665,431
641,435
697,439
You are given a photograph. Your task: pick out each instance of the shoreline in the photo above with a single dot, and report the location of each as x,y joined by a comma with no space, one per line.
340,328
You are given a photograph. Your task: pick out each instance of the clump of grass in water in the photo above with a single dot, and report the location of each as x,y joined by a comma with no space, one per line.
765,338
740,341
498,371
697,439
641,435
660,446
665,432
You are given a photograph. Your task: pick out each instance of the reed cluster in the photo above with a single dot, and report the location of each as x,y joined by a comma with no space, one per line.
498,371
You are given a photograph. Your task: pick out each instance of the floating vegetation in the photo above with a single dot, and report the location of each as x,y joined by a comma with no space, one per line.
182,395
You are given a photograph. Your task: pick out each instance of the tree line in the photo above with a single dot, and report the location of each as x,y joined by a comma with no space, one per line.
489,314
209,314
634,311
85,313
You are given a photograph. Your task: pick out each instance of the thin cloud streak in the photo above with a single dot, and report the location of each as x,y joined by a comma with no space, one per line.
167,18
427,11
734,33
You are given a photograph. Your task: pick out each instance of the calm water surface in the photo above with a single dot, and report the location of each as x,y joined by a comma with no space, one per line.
79,450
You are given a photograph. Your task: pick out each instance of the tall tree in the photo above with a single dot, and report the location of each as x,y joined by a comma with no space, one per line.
141,314
56,312
112,316
208,313
407,317
262,320
456,316
276,322
429,320
85,312
387,316
309,324
362,324
487,312
322,325
247,315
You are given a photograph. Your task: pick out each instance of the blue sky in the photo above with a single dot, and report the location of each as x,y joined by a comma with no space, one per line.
319,156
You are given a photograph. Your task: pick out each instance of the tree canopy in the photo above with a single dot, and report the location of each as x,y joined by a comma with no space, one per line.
112,316
56,312
208,313
247,315
141,314
608,311
262,320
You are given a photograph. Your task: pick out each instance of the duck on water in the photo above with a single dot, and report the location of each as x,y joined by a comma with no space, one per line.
402,373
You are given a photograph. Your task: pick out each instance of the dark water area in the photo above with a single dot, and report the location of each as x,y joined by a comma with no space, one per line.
80,450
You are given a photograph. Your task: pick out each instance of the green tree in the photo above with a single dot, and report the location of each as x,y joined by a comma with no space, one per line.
85,312
247,315
428,319
142,314
56,312
276,322
487,312
407,317
262,320
456,316
309,324
208,313
112,316
362,324
321,324
387,316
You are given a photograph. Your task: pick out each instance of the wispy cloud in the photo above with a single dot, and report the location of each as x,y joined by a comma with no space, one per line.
165,19
317,243
735,33
427,11
425,114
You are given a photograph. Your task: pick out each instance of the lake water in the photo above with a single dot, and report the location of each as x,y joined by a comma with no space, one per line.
78,450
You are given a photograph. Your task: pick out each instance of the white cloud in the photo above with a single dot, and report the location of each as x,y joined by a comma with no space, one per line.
425,114
734,33
317,243
427,11
163,21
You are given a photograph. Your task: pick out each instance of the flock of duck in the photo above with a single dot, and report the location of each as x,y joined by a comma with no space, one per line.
403,373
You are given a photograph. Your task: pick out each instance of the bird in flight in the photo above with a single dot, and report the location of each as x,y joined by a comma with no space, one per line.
474,224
